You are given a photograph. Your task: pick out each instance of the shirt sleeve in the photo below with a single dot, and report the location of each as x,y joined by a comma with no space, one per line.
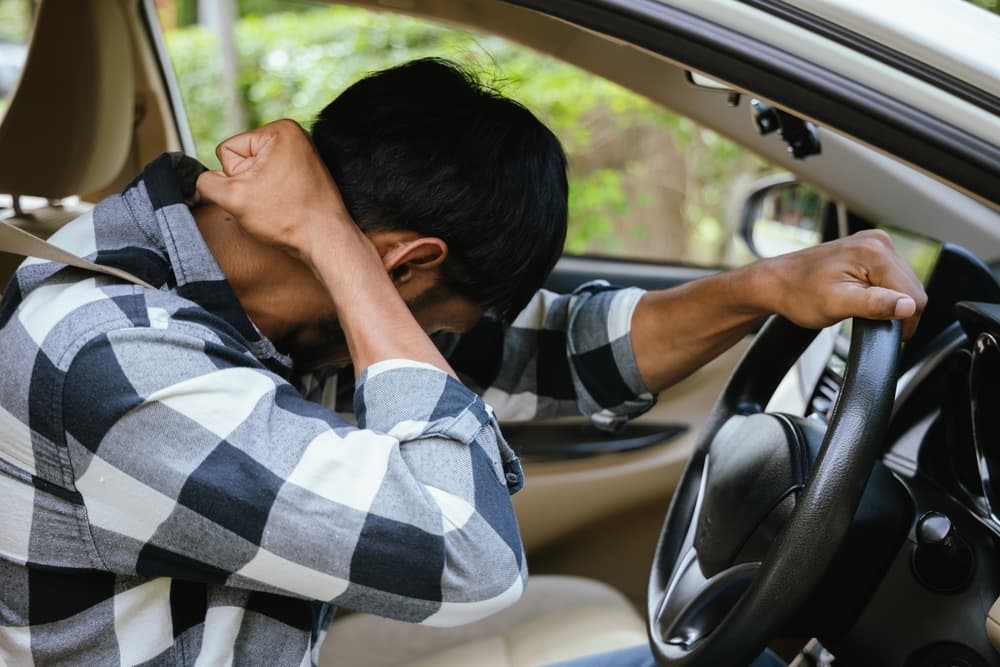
564,354
197,463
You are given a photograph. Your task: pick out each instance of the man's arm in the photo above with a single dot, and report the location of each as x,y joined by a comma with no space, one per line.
274,184
247,484
606,352
195,462
676,331
564,354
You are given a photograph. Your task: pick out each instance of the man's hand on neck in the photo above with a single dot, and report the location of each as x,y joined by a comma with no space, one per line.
279,293
281,195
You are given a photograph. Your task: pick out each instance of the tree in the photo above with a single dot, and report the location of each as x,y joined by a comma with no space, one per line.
220,16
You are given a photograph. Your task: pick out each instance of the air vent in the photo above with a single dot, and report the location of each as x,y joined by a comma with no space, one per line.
827,388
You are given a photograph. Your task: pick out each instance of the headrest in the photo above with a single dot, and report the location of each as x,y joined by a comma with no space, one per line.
68,127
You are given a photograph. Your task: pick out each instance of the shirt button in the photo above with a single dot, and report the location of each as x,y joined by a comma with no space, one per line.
513,478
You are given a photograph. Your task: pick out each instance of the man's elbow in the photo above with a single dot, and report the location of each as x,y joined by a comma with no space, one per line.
477,588
483,568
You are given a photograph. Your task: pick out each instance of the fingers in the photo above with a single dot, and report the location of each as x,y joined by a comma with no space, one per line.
891,279
240,152
905,307
213,188
878,303
859,276
886,304
276,187
239,155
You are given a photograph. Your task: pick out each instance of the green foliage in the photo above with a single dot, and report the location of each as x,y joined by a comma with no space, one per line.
186,12
262,7
292,63
15,20
595,200
990,5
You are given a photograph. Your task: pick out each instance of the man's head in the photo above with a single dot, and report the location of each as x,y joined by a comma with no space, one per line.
424,149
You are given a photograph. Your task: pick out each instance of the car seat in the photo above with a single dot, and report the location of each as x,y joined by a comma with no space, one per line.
68,128
557,618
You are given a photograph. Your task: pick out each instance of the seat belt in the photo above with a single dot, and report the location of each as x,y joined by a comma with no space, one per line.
19,242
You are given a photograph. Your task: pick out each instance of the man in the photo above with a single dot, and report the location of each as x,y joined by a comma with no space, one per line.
171,497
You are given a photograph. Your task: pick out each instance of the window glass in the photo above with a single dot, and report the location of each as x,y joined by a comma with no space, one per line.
645,183
15,31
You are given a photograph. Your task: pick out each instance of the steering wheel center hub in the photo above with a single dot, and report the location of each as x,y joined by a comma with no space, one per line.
756,465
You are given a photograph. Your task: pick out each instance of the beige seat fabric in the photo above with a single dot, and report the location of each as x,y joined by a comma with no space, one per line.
68,127
558,618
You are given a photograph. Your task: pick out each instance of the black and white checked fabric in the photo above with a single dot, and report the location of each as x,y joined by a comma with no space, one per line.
564,354
169,498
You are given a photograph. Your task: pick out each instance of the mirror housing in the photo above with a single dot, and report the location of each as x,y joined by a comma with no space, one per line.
782,215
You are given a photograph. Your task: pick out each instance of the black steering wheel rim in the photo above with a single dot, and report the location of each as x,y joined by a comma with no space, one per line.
804,550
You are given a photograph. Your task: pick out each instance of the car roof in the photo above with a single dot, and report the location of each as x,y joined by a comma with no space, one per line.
953,36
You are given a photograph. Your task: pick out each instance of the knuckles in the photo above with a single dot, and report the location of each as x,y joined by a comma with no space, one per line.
873,244
286,128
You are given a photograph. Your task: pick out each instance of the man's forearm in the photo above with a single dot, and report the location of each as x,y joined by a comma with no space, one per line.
265,169
676,331
376,322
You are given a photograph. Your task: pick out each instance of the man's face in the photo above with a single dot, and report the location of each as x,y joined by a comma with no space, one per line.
437,311
448,313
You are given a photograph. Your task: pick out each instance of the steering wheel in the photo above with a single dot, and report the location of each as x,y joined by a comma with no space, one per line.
751,530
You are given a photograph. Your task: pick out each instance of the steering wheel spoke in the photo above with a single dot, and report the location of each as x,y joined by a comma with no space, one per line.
695,605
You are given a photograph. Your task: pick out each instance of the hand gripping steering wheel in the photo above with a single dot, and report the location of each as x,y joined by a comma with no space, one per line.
751,529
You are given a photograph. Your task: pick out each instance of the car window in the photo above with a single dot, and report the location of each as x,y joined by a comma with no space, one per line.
645,183
15,31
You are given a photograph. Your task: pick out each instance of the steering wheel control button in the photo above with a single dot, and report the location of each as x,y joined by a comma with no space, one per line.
936,529
942,561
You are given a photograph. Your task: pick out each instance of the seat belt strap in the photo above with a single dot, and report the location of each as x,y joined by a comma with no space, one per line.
19,242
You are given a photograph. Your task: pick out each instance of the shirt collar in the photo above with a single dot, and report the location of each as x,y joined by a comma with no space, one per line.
159,200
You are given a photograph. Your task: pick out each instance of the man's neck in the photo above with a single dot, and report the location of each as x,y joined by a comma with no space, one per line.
279,293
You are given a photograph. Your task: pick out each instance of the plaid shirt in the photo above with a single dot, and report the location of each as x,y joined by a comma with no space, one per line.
169,497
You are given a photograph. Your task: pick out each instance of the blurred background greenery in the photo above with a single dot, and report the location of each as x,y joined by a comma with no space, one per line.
644,182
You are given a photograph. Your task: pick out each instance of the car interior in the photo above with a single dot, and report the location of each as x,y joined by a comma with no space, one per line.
886,542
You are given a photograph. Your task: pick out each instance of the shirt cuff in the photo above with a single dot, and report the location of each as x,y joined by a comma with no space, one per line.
600,340
409,400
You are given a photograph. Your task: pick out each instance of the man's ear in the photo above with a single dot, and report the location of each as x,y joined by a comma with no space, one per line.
410,258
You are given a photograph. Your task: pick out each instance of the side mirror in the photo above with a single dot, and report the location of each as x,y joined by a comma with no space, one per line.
782,215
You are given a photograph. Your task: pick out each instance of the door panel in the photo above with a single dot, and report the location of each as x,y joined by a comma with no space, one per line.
573,502
574,270
599,516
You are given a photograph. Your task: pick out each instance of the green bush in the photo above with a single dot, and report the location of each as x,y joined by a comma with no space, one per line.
15,21
291,64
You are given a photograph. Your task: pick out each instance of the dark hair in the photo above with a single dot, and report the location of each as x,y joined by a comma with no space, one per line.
426,147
